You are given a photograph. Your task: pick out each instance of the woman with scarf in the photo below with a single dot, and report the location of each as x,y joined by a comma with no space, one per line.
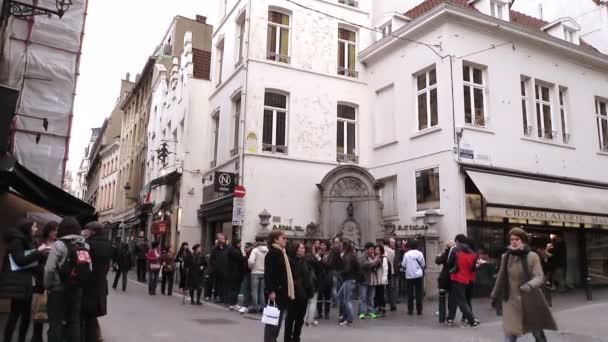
520,277
278,280
304,290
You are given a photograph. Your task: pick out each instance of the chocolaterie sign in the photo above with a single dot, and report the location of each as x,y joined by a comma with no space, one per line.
546,216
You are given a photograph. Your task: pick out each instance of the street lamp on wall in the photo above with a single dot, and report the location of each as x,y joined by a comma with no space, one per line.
20,9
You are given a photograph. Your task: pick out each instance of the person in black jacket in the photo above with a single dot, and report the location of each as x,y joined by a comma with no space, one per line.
124,261
325,283
234,276
17,285
47,237
443,281
350,273
95,294
195,263
278,280
304,290
218,269
140,252
179,260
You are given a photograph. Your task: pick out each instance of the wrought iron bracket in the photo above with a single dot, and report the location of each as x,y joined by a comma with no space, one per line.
22,10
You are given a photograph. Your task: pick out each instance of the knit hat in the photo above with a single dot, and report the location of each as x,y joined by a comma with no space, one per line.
520,233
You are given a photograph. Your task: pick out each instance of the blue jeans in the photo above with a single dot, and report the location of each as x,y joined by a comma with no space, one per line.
257,291
346,299
366,298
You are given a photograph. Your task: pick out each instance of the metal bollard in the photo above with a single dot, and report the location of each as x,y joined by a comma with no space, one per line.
588,291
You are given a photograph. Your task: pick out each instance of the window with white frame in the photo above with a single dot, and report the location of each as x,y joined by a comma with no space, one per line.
544,117
353,3
274,135
278,36
601,111
474,95
427,189
498,9
426,99
219,62
387,29
237,123
563,114
524,85
347,134
347,52
388,196
569,34
216,136
240,38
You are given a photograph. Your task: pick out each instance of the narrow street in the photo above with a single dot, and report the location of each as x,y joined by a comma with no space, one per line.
135,316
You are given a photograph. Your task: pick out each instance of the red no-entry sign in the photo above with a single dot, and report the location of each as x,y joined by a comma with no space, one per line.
239,191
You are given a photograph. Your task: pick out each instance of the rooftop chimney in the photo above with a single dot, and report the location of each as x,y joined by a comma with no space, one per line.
128,77
201,19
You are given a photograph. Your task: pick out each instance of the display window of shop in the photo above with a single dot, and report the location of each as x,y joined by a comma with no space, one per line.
597,256
427,189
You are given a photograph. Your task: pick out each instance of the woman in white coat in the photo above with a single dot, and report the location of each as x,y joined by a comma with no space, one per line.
381,281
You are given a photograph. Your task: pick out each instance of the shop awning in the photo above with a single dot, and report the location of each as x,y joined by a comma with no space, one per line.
502,190
17,179
168,179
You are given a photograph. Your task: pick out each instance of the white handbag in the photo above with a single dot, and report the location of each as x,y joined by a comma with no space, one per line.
271,314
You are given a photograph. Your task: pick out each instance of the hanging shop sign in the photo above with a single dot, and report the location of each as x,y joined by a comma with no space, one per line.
539,215
224,182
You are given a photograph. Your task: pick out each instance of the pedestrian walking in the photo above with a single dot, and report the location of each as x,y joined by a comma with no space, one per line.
380,281
18,268
350,272
154,265
196,264
47,237
235,274
462,263
325,283
167,260
67,270
179,261
140,251
302,280
95,291
313,263
246,279
367,281
392,288
256,265
413,263
518,284
335,266
124,262
443,281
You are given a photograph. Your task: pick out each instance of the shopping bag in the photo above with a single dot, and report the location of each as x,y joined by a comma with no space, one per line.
39,307
271,315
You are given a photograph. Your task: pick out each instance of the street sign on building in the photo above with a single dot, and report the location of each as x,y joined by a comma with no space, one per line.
238,211
224,182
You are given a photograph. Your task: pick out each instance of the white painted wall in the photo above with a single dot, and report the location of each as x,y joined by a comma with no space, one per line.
593,18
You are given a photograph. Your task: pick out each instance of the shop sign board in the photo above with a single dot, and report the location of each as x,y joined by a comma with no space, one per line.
547,216
238,211
224,182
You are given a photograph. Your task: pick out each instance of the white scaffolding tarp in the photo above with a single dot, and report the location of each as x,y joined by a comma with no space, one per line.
41,58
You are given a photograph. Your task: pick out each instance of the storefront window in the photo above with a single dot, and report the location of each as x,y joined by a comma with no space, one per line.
597,257
427,189
490,238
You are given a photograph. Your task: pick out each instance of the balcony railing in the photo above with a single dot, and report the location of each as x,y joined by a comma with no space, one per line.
566,138
347,158
528,130
348,72
274,148
547,134
273,56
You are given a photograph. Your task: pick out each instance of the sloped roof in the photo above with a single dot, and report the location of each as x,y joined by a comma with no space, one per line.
516,17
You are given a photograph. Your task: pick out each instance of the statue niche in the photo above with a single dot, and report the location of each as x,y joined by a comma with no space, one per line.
351,230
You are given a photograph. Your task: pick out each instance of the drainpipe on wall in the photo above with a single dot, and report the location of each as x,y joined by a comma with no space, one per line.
245,91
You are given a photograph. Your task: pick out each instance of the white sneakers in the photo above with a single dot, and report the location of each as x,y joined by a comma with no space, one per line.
243,310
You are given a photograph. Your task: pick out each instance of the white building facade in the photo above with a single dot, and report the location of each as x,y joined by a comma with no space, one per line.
453,117
180,91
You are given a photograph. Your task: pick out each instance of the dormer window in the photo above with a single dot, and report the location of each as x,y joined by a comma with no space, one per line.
569,34
387,29
498,9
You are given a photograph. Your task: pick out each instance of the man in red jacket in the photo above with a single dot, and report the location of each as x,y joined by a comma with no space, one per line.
461,262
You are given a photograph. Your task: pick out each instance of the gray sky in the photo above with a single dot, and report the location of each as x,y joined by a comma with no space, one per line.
119,36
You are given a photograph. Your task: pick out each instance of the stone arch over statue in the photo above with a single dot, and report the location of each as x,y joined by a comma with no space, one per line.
350,205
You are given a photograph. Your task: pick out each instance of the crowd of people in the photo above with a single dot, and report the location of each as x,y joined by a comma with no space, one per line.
305,281
62,270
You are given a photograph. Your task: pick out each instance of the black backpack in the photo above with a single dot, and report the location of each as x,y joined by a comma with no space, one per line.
76,271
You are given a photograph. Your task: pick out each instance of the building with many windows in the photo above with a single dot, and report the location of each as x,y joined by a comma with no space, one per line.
412,119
